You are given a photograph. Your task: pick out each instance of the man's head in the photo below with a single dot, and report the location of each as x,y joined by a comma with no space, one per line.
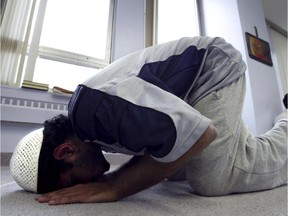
52,158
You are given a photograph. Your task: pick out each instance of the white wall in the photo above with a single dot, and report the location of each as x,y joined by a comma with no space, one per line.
276,12
231,19
264,85
129,27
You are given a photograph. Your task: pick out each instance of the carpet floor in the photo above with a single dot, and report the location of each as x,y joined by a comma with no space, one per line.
166,198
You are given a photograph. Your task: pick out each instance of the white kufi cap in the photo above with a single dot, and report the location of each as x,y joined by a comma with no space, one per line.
24,161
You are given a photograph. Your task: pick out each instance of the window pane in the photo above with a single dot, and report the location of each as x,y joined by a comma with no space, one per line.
76,26
177,19
61,74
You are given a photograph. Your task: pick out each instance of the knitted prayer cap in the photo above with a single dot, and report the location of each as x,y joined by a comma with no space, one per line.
25,160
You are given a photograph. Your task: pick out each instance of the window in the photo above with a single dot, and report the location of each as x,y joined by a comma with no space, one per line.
175,19
74,43
67,41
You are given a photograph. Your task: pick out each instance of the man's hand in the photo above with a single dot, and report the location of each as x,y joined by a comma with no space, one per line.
81,193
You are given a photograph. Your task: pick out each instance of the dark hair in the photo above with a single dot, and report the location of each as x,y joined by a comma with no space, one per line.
285,102
56,131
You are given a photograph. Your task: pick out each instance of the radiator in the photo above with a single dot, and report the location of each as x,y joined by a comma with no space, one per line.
24,103
30,106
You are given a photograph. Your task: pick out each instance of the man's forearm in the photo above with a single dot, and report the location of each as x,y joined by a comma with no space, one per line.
137,175
143,172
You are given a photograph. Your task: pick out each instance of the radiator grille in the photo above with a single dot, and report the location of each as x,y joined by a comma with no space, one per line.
33,104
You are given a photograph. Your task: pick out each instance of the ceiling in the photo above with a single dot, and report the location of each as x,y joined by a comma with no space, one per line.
276,12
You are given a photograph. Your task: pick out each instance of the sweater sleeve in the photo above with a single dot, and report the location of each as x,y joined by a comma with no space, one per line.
187,122
135,103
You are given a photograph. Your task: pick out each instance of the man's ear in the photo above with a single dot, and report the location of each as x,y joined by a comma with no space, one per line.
66,151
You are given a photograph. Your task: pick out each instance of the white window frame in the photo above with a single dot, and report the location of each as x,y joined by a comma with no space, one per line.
35,50
155,20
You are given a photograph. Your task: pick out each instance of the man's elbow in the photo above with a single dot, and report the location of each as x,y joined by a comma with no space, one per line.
207,137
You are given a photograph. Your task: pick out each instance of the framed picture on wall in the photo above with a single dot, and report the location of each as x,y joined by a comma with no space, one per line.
258,49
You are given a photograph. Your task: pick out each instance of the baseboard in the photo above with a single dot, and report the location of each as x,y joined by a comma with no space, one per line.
114,159
5,159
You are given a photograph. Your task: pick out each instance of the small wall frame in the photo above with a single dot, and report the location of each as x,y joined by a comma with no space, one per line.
258,49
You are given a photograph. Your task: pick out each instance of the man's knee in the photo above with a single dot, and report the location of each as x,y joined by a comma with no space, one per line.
208,188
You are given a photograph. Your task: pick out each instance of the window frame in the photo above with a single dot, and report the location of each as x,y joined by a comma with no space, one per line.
36,51
155,20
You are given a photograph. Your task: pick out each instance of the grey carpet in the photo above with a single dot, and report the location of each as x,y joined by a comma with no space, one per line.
166,198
